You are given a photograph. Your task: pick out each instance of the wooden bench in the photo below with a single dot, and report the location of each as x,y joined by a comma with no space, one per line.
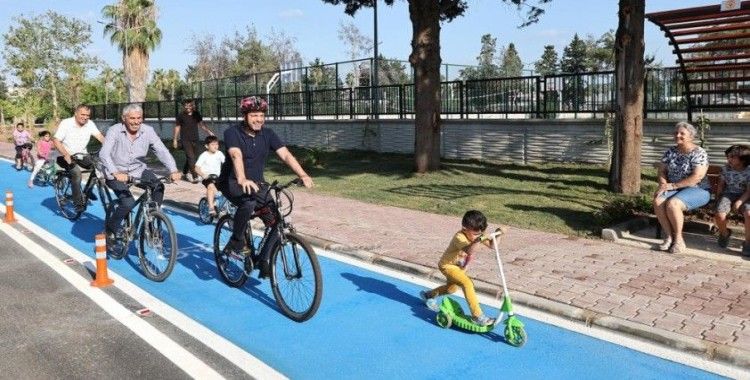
713,174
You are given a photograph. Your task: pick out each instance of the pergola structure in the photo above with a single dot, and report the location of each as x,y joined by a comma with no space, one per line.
713,53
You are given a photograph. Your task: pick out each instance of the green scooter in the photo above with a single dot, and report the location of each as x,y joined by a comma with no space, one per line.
452,314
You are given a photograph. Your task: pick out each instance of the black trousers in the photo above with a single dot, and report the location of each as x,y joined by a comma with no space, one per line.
246,205
192,150
126,200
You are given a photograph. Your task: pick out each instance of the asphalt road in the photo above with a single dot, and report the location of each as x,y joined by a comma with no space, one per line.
50,330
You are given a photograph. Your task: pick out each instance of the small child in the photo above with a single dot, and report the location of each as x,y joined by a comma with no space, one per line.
208,166
43,150
22,139
452,264
733,194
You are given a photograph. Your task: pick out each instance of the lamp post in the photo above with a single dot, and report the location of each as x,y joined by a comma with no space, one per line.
376,93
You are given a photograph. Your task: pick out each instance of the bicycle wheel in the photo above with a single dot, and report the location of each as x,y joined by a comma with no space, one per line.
203,211
231,266
286,199
64,197
296,279
157,246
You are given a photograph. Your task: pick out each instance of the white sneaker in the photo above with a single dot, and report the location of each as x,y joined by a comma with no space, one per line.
430,302
666,244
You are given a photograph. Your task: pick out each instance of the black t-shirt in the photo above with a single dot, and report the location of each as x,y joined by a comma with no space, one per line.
254,150
189,125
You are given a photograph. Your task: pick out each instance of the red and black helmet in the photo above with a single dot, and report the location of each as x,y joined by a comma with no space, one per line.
253,104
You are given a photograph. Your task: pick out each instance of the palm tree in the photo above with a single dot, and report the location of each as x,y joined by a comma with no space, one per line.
132,28
159,81
108,77
172,81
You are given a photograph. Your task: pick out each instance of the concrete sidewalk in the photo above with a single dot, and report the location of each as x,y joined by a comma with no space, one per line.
697,302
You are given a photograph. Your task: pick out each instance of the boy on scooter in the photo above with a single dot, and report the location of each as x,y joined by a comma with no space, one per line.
453,263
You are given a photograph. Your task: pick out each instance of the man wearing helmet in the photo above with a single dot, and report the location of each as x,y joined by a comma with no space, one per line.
248,145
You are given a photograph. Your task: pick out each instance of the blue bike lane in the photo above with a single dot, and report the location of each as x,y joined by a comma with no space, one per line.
369,325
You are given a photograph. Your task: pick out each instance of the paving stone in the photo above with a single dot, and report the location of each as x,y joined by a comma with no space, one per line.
693,329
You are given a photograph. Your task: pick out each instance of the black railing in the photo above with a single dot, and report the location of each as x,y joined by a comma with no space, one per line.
586,95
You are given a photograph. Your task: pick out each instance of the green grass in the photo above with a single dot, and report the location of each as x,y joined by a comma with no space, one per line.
563,198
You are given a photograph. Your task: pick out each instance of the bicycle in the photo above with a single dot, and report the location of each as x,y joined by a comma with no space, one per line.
224,207
27,159
64,187
296,279
157,241
47,174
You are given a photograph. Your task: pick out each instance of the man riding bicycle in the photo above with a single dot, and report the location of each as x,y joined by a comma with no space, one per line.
123,154
71,137
248,145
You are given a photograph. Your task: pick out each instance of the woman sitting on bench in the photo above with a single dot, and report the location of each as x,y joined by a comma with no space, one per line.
682,185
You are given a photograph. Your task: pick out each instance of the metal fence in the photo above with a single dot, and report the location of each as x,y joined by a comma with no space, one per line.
585,95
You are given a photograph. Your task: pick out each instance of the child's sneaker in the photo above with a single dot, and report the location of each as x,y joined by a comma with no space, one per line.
483,320
430,302
723,240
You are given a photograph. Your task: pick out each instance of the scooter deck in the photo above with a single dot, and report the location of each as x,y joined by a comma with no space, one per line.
451,308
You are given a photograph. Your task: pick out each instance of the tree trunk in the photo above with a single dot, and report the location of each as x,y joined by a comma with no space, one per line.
625,173
55,103
425,59
136,71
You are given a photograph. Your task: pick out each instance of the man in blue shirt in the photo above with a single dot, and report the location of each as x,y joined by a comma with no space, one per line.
248,145
123,154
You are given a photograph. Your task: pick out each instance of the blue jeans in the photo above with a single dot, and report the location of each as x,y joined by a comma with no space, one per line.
693,197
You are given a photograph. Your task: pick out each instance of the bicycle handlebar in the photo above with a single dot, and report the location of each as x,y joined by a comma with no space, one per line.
139,181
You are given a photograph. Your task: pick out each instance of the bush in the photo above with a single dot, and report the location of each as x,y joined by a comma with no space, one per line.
621,209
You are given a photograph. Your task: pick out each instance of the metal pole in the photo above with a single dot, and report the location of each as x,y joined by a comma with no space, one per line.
375,61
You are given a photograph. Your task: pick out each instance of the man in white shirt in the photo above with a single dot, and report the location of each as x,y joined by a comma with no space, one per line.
71,137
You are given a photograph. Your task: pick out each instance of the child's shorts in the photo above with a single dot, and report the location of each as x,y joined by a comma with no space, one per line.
693,197
724,204
212,178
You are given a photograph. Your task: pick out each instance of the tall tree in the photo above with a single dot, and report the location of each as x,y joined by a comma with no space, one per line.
172,82
159,82
132,28
548,63
320,76
357,46
600,52
511,65
426,16
43,50
487,66
625,172
574,58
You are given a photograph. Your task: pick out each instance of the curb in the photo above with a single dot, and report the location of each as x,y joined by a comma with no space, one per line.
708,350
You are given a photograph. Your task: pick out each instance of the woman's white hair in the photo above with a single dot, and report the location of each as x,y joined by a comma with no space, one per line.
688,127
130,108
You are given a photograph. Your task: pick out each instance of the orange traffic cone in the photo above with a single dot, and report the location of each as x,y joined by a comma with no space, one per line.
102,278
9,216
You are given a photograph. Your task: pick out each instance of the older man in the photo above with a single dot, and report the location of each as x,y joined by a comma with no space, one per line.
123,155
71,137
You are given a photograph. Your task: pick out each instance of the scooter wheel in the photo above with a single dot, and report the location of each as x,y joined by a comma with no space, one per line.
444,320
515,336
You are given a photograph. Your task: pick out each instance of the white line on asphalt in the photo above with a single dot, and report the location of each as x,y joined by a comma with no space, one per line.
233,353
182,358
594,331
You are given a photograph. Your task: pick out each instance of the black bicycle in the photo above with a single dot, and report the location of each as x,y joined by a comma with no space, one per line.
296,279
157,241
64,186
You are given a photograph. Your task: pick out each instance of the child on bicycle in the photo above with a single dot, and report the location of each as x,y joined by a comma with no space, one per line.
43,150
453,265
22,139
734,194
208,166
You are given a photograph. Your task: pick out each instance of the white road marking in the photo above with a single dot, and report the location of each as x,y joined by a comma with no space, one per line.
233,353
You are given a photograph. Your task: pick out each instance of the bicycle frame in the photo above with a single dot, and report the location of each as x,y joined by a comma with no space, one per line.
143,203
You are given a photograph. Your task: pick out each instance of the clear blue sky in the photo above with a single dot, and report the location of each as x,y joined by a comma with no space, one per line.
314,25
